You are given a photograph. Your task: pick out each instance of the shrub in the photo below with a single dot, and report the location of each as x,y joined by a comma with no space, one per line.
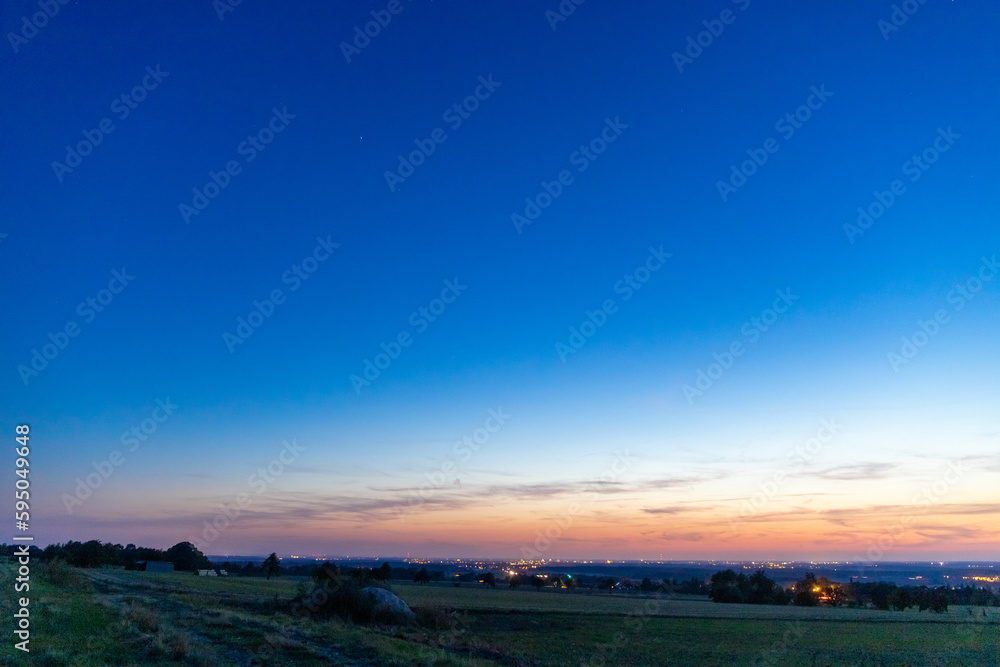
60,573
142,618
344,599
434,618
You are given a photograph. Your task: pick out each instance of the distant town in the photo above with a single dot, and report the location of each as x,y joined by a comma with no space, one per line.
914,573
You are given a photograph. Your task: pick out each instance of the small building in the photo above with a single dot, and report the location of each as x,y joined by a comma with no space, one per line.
155,566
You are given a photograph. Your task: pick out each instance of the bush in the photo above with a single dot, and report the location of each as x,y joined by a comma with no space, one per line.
60,573
343,598
142,618
435,618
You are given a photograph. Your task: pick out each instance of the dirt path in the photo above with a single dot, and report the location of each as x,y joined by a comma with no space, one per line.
225,623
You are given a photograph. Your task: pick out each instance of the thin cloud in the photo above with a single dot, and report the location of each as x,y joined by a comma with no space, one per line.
857,472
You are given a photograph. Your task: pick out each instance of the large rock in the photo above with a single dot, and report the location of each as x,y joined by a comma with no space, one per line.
387,607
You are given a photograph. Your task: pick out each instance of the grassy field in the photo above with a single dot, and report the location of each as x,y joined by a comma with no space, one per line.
587,602
134,618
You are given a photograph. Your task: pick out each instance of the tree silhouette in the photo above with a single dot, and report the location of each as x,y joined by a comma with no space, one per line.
422,577
758,588
271,565
726,587
807,591
187,558
606,582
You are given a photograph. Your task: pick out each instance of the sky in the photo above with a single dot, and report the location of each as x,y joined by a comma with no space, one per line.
666,281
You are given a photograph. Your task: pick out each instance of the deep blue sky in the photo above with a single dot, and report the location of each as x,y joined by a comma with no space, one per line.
323,176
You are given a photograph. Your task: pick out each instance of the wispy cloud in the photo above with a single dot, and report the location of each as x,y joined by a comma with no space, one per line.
941,533
857,472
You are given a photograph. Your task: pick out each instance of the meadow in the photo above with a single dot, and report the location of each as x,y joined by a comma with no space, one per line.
114,617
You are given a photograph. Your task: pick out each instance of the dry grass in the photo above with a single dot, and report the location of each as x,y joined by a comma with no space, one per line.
60,574
144,619
435,618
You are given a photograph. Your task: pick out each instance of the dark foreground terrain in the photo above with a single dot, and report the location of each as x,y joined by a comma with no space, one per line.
105,617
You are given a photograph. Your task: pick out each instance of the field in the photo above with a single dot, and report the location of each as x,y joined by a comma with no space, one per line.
103,617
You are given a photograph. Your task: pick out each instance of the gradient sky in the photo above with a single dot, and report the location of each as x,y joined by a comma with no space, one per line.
604,451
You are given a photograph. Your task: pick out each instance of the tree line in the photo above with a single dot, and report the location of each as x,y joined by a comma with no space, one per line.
91,554
184,556
810,591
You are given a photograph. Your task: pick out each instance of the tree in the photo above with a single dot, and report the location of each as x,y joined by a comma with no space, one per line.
514,581
489,580
761,589
726,587
839,595
606,582
271,565
385,572
537,582
647,585
879,593
936,600
422,577
187,558
91,554
807,591
691,586
758,588
900,598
